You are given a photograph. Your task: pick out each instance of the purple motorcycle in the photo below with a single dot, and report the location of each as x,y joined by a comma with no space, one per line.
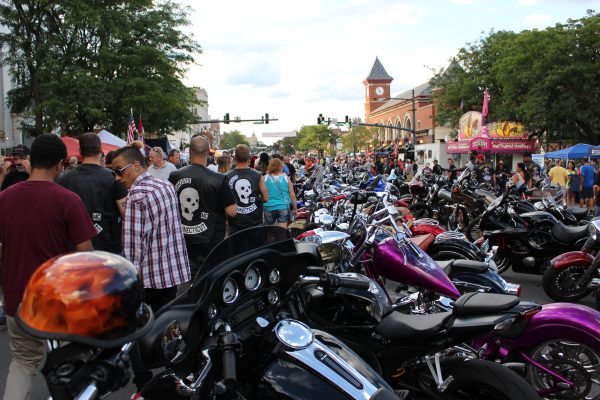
556,347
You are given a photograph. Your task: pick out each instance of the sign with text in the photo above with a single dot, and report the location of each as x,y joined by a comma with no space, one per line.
279,134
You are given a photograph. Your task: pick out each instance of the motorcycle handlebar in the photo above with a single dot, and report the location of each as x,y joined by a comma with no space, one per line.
335,281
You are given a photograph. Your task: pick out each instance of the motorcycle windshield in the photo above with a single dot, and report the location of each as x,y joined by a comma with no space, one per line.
247,241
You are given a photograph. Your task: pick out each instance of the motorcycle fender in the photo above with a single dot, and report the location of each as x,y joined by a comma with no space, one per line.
571,258
562,321
424,229
489,279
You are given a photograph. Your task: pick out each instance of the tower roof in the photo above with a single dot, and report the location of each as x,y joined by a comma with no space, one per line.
378,72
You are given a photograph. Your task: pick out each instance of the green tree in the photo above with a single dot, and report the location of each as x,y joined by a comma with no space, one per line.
83,64
356,139
231,139
288,145
315,137
546,79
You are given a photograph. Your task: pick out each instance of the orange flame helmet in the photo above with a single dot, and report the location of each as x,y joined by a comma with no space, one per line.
85,295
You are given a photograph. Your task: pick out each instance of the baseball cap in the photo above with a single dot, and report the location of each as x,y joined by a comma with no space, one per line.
481,157
20,150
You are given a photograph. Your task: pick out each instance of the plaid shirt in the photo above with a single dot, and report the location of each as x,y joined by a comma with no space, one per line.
152,237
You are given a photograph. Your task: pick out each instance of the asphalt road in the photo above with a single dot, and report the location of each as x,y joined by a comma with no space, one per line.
531,290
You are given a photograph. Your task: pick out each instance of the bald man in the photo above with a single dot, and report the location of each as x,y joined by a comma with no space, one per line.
204,202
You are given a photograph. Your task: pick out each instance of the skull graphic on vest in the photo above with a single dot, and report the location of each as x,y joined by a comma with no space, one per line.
189,200
243,190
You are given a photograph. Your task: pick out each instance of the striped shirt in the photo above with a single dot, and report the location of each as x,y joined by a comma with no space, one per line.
152,236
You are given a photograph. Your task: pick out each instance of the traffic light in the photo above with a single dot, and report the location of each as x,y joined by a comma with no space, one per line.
320,119
347,119
266,118
226,118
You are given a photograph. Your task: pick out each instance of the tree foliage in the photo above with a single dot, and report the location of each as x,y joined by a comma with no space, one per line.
316,137
548,79
83,64
287,145
357,138
231,139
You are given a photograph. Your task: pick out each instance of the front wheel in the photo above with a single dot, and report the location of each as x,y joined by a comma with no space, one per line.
568,284
420,210
479,379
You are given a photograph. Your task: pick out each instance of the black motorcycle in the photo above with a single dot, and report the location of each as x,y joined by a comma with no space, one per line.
237,338
530,240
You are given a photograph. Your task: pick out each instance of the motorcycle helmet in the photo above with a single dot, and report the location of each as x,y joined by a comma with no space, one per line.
94,298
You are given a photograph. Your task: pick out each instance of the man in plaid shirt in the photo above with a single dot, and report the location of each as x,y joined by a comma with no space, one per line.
152,236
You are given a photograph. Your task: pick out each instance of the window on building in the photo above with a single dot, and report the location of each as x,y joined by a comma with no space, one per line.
194,111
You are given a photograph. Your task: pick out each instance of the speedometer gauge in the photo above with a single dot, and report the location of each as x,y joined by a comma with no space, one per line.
230,291
274,276
252,278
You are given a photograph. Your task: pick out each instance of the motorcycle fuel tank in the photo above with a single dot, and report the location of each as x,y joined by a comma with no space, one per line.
412,266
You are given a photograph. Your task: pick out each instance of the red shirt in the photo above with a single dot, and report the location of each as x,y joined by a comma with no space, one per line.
38,220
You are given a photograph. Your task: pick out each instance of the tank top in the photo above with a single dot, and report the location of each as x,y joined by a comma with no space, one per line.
520,181
279,197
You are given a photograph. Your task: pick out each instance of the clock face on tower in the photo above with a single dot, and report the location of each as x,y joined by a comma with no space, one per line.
379,91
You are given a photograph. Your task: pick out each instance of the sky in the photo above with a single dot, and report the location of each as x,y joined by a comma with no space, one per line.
297,59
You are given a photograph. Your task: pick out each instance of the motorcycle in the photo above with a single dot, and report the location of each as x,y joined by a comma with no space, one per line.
557,348
527,241
238,337
574,274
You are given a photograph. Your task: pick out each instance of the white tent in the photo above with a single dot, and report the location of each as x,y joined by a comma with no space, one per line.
107,137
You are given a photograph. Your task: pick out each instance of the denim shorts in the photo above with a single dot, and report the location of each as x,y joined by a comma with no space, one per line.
273,216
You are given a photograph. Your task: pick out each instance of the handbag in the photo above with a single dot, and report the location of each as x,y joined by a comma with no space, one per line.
291,217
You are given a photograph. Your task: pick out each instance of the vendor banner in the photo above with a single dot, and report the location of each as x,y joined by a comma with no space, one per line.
469,125
513,146
506,130
457,147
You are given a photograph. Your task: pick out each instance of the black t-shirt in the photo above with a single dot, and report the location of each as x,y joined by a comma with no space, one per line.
14,176
99,191
484,173
452,169
203,196
437,169
244,184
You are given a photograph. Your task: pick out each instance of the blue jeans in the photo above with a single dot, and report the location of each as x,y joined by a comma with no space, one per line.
279,216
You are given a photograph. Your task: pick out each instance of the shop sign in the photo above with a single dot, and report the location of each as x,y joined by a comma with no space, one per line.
480,144
469,125
513,146
457,147
506,130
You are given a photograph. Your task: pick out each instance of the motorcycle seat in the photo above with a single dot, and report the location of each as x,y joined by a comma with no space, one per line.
569,234
423,241
483,303
579,212
456,266
406,326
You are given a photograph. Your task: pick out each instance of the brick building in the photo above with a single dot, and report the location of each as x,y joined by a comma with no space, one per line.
383,108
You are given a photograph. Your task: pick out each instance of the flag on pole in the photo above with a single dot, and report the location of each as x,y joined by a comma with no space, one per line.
141,130
131,128
484,111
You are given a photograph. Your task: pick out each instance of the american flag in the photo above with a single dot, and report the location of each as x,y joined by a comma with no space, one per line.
141,130
131,129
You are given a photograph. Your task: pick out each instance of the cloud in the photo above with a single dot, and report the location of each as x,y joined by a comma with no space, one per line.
528,2
280,93
255,70
538,21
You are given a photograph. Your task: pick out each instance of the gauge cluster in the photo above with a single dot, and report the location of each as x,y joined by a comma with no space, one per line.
246,292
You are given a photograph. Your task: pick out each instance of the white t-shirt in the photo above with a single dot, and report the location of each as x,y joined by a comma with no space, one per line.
213,167
162,173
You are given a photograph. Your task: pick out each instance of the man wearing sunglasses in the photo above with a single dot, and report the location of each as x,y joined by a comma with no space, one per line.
152,236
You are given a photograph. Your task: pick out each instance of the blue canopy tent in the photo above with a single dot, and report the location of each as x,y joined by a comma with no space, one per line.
580,150
595,152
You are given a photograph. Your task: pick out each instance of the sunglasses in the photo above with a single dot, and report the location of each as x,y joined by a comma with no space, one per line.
121,171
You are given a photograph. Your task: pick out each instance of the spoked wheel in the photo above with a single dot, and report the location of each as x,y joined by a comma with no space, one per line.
569,284
574,361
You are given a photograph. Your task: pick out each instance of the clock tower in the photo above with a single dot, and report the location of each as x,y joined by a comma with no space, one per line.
377,88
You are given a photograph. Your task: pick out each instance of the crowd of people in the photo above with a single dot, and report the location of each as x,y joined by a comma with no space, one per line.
160,214
165,215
